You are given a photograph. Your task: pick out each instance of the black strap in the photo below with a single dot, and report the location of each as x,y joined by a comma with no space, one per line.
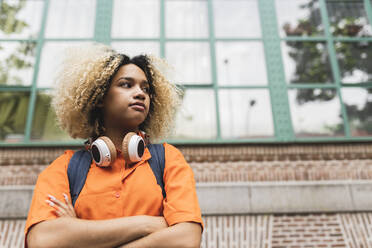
79,166
157,164
77,172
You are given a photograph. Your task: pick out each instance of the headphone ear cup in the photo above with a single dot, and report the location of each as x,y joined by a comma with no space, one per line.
103,151
133,147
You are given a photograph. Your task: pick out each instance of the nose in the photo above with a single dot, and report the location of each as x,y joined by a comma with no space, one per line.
139,94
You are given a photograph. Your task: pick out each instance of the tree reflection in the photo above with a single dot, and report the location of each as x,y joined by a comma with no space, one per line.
361,118
19,58
13,105
353,57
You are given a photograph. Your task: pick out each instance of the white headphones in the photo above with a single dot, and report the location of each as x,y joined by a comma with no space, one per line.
104,153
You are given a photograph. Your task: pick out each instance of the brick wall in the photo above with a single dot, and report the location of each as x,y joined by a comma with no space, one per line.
349,230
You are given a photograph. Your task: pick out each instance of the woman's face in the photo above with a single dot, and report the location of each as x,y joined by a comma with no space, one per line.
127,101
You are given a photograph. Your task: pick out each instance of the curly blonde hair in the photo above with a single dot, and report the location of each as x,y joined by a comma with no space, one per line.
83,80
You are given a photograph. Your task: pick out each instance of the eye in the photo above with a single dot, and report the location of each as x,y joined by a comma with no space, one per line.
146,89
124,84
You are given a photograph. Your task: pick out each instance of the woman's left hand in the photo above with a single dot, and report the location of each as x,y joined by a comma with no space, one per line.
62,209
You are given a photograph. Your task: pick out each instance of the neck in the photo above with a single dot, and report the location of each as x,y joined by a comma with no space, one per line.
117,136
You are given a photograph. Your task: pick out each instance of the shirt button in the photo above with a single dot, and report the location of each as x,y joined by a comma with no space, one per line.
117,194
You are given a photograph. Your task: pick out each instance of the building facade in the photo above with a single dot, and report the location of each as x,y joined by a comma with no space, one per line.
277,107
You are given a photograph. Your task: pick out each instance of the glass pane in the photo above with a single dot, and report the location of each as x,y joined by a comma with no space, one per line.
306,62
241,63
355,61
133,18
186,19
236,18
17,60
299,17
348,18
13,114
135,48
196,119
20,19
316,112
51,58
191,61
358,104
71,19
245,114
44,127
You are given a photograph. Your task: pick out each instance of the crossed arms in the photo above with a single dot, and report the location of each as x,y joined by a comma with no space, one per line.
134,231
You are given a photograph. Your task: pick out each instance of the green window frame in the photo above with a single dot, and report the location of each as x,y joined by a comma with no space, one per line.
277,85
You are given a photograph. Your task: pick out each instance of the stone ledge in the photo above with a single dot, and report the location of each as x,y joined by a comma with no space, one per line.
284,197
243,198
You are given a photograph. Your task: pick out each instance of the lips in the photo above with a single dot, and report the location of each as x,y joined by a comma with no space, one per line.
140,106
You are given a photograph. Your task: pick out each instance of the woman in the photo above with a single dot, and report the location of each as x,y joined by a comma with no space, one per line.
103,93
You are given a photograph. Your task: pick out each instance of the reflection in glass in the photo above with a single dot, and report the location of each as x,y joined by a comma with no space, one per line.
236,18
355,61
306,62
245,114
132,18
241,63
191,61
20,19
316,112
44,127
196,119
358,104
135,48
348,18
13,114
299,17
17,60
71,19
186,19
51,58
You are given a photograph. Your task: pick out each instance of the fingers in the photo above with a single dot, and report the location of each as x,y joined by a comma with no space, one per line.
68,202
61,209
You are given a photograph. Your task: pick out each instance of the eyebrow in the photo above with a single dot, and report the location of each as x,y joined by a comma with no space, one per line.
132,80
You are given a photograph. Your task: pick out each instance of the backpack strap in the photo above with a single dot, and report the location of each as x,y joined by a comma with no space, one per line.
77,172
157,164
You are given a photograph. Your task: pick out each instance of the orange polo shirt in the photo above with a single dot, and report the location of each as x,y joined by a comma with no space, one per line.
118,191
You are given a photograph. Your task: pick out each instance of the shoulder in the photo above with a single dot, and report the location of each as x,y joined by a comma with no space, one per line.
174,158
171,151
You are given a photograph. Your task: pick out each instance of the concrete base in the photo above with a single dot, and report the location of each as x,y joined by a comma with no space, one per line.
285,197
15,201
243,198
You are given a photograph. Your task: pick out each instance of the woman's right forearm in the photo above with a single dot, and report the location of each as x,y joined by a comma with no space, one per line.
74,232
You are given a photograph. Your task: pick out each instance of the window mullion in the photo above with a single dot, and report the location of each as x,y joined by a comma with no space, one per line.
275,72
102,31
33,93
162,28
212,42
334,64
368,7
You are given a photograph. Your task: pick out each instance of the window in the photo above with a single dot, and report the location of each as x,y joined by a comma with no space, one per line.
250,70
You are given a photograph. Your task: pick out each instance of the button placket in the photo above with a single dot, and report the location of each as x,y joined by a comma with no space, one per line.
117,194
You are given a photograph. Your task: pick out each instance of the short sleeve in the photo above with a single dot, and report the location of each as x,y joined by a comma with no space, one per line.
54,181
181,203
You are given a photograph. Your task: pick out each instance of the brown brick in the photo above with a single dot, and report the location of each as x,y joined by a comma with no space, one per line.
338,245
300,240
